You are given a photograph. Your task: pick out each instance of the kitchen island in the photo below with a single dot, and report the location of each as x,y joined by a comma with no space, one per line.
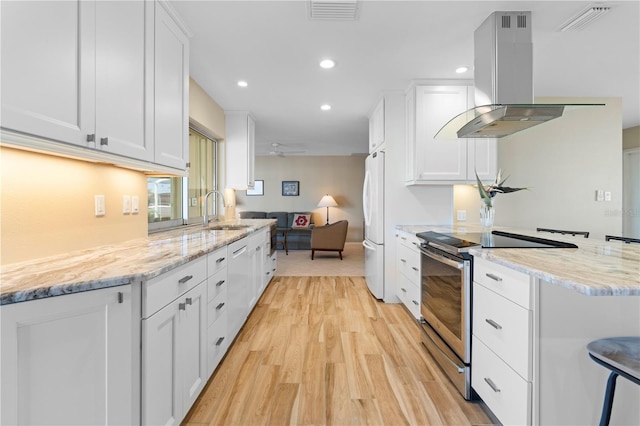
534,311
139,331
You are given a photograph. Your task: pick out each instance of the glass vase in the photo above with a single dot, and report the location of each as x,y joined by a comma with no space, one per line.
487,214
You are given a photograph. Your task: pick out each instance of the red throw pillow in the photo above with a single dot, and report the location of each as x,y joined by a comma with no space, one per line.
301,221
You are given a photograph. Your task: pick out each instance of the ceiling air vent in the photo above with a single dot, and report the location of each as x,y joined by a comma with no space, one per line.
584,18
333,10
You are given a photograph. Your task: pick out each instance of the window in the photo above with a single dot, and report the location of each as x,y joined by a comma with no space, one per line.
175,201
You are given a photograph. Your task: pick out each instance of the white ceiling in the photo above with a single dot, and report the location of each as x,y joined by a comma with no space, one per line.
276,48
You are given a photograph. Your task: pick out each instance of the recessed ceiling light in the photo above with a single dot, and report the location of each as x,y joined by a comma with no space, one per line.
242,83
327,63
462,70
325,107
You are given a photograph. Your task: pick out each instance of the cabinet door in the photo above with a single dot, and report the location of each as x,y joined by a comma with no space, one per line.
120,73
240,147
48,69
68,359
376,127
193,344
161,391
239,277
482,158
171,91
439,159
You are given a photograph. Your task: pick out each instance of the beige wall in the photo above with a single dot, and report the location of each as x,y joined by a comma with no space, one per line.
563,162
47,205
631,137
341,177
204,112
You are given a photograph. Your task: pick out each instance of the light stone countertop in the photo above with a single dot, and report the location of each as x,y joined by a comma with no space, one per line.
595,268
118,264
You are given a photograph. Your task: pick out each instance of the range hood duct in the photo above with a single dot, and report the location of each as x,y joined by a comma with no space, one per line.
503,61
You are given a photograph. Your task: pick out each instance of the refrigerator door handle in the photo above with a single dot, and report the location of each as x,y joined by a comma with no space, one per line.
368,246
366,198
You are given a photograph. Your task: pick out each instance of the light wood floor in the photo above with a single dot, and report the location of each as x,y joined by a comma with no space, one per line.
322,351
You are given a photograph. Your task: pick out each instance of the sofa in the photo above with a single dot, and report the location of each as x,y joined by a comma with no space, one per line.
290,235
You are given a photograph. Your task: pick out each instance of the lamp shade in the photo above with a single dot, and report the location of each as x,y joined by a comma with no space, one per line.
327,201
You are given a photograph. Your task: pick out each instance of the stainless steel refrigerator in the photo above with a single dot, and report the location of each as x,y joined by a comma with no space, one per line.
373,206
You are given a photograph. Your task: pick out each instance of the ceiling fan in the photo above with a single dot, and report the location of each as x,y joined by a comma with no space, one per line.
278,152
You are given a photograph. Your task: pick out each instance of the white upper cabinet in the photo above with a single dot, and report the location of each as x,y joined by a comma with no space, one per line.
376,127
240,149
170,90
111,76
429,160
73,71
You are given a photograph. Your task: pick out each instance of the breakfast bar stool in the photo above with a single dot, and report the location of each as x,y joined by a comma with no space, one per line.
621,355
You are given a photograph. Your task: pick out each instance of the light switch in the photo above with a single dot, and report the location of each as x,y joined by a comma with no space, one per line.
599,195
462,215
126,204
135,204
607,195
99,205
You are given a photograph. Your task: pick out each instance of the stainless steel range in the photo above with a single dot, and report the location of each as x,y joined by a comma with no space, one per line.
446,295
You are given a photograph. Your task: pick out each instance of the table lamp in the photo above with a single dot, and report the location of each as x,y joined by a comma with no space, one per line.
327,201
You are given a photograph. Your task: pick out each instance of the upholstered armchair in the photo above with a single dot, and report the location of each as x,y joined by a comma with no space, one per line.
329,237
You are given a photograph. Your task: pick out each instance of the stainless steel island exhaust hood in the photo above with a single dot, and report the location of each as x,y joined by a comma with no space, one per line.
503,62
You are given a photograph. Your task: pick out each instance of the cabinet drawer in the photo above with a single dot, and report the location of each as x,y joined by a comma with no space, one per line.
216,307
162,290
216,261
408,261
217,284
511,284
509,401
409,294
407,239
217,342
504,327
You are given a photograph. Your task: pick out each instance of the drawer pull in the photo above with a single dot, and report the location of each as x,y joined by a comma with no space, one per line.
182,307
494,277
403,289
414,268
219,306
403,238
493,324
415,303
219,283
220,260
219,341
120,297
491,384
188,301
403,260
185,279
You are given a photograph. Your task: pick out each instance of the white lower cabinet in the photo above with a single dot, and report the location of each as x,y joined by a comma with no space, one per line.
239,276
174,344
218,338
70,359
408,270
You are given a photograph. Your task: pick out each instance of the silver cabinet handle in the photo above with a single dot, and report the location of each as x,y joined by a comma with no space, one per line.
403,289
491,384
494,277
414,268
219,306
188,301
182,307
120,297
415,303
220,260
493,324
219,341
185,279
403,260
104,141
219,283
91,137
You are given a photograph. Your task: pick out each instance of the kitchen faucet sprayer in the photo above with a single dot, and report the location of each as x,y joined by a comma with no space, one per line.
205,221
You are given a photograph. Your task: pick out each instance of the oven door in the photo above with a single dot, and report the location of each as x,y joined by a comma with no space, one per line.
446,301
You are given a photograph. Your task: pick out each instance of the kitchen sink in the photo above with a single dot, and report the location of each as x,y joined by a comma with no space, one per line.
228,227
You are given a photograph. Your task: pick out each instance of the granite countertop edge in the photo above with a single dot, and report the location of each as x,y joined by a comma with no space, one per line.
173,248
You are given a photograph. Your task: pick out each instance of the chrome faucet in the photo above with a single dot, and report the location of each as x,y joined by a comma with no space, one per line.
206,199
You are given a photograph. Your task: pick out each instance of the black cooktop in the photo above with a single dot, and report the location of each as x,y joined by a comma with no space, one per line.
496,239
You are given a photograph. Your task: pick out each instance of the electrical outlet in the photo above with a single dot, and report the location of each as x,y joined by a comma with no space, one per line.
599,195
607,195
462,215
135,204
100,205
194,202
126,204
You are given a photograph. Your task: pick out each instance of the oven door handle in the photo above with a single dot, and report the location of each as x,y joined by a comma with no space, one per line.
442,259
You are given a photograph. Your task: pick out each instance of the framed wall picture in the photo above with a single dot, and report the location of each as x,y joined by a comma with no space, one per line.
258,188
290,188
